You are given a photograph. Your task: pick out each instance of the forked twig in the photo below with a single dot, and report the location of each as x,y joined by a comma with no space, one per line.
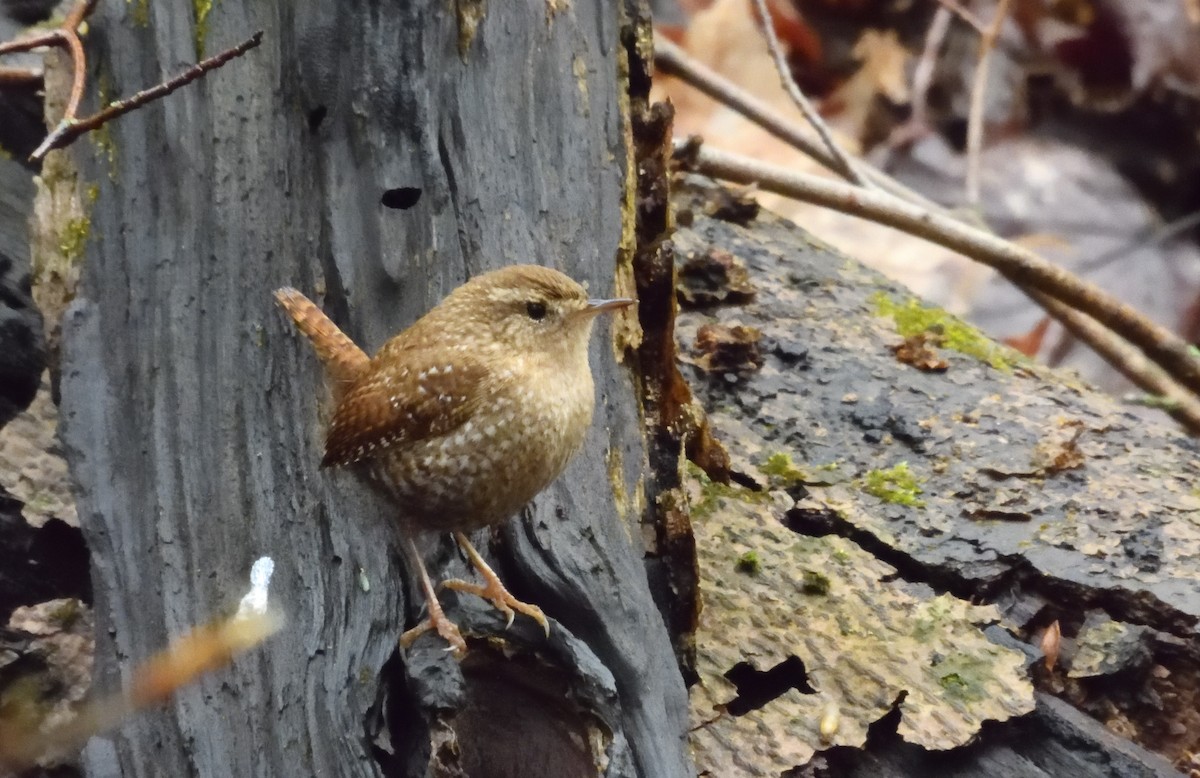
671,59
1131,363
1022,267
844,165
67,130
66,36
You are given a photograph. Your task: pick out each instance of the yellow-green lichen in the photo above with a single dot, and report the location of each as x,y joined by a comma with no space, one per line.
913,318
139,12
470,14
102,137
580,70
712,493
963,676
202,9
895,485
73,238
66,613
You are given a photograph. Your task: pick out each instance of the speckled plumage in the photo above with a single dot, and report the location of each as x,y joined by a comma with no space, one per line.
465,416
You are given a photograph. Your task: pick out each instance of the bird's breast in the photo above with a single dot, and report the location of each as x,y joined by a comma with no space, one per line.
523,432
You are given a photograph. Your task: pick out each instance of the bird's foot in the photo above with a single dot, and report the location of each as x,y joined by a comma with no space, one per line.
437,622
501,598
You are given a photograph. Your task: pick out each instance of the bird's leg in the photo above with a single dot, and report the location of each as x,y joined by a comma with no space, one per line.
437,620
493,590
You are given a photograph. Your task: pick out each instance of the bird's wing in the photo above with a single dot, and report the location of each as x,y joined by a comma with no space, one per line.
413,395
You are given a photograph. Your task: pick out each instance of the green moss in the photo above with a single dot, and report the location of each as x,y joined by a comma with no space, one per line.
202,9
896,485
93,193
815,583
712,492
912,318
784,473
782,470
749,563
73,238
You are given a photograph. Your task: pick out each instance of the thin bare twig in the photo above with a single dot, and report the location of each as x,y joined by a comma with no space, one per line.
978,92
1131,363
25,78
65,36
844,165
673,60
964,14
67,131
1020,266
923,72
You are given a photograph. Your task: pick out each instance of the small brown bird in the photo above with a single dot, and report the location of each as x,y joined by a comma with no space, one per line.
465,416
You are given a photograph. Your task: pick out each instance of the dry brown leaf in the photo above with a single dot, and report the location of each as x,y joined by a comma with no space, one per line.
713,277
918,351
1059,450
883,74
729,349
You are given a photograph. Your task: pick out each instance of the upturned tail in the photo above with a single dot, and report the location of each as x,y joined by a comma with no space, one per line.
343,360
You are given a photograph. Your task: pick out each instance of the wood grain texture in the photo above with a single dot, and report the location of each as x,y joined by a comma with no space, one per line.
192,411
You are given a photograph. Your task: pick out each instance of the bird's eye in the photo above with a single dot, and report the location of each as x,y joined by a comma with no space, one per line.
536,309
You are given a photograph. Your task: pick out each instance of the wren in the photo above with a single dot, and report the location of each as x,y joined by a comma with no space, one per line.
461,419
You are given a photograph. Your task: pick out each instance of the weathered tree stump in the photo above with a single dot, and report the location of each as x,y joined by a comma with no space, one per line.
192,412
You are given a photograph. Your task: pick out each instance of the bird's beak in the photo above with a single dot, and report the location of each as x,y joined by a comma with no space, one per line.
600,306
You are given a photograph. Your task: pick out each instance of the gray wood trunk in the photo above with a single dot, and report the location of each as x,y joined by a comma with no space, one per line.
192,413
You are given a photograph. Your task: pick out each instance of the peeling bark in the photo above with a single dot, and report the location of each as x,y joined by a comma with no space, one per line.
993,479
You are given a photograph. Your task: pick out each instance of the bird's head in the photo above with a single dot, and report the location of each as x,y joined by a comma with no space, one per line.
531,309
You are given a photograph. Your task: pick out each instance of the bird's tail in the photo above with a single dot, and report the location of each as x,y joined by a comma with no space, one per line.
343,360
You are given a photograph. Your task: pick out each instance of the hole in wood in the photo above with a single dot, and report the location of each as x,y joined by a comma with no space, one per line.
758,687
401,198
316,116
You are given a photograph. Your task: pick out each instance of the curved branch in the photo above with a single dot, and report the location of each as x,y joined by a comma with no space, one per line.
1020,266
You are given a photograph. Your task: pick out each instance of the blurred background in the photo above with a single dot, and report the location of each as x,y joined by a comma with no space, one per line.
1091,139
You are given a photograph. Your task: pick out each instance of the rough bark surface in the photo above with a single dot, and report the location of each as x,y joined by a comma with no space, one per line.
1019,486
192,414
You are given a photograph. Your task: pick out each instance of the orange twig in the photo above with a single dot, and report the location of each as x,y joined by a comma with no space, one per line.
207,648
20,77
66,36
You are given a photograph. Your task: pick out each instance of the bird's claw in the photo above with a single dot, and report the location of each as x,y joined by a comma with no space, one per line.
495,593
446,628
